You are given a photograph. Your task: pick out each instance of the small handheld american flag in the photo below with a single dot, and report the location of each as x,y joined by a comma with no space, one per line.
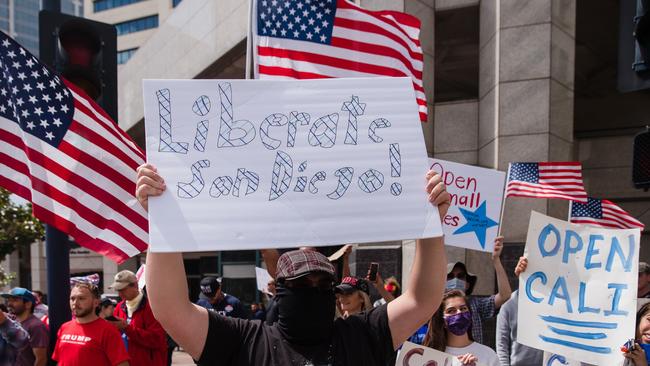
63,153
546,180
313,39
604,213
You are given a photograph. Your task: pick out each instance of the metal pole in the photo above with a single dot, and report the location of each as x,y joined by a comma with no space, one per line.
57,252
12,19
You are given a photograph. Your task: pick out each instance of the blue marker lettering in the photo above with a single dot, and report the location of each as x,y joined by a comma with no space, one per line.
541,240
618,287
591,251
615,248
529,283
568,249
560,284
581,301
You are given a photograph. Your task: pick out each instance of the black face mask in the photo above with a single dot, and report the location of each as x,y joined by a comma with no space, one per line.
306,315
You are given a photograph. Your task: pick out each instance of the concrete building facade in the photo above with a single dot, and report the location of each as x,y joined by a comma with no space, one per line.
135,20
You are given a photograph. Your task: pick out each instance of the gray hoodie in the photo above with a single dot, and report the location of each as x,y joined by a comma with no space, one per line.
509,351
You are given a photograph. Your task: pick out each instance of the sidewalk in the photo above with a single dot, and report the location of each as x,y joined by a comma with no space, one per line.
180,358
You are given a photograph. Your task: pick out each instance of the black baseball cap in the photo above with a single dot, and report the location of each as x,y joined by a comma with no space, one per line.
210,285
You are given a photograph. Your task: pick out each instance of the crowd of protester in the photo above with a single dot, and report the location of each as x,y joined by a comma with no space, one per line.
310,313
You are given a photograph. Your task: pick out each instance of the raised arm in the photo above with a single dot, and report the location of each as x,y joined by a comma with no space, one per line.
427,279
503,284
270,257
167,284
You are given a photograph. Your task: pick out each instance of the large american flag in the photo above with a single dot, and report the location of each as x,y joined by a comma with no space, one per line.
546,180
62,152
311,39
598,212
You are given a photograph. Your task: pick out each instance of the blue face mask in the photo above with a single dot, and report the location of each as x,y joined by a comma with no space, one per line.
455,284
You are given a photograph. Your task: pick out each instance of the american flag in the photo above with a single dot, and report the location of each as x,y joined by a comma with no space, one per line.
546,180
603,213
312,39
63,153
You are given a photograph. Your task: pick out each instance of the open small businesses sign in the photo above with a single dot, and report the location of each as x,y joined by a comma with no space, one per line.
472,221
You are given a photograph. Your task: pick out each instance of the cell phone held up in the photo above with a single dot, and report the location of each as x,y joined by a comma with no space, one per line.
372,271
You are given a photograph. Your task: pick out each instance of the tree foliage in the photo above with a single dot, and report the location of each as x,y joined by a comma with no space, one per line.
17,225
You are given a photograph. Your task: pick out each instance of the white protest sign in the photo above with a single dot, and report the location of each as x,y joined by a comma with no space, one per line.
472,221
413,354
262,163
552,359
577,297
263,277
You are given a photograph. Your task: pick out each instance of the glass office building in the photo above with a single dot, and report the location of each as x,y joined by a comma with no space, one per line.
19,19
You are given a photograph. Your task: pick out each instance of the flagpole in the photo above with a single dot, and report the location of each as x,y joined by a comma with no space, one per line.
249,40
570,209
503,204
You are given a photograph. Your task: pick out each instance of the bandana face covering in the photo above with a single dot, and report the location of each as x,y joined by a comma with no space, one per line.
306,315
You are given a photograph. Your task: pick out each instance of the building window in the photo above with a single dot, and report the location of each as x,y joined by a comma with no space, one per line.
137,25
176,2
101,5
124,56
456,54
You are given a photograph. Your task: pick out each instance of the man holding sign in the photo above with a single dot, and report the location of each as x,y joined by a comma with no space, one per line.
303,335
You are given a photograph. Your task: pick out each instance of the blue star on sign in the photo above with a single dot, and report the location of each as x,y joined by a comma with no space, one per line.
477,221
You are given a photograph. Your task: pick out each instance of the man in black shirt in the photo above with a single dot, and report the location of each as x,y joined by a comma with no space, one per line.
306,333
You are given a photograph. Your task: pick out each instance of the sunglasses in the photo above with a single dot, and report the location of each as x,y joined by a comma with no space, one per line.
460,276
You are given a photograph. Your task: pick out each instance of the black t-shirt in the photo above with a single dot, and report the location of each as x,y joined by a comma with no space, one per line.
363,339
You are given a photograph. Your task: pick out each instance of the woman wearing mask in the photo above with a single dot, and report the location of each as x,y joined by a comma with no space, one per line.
450,331
352,296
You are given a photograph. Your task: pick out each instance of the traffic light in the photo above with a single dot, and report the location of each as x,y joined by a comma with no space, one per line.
641,160
634,45
84,52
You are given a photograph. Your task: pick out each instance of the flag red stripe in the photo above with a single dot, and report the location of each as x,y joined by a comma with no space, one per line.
596,222
376,50
619,218
78,181
87,214
542,187
83,239
113,131
321,59
102,143
14,164
99,166
547,176
541,195
378,16
292,73
97,110
15,188
559,163
362,26
402,18
296,74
